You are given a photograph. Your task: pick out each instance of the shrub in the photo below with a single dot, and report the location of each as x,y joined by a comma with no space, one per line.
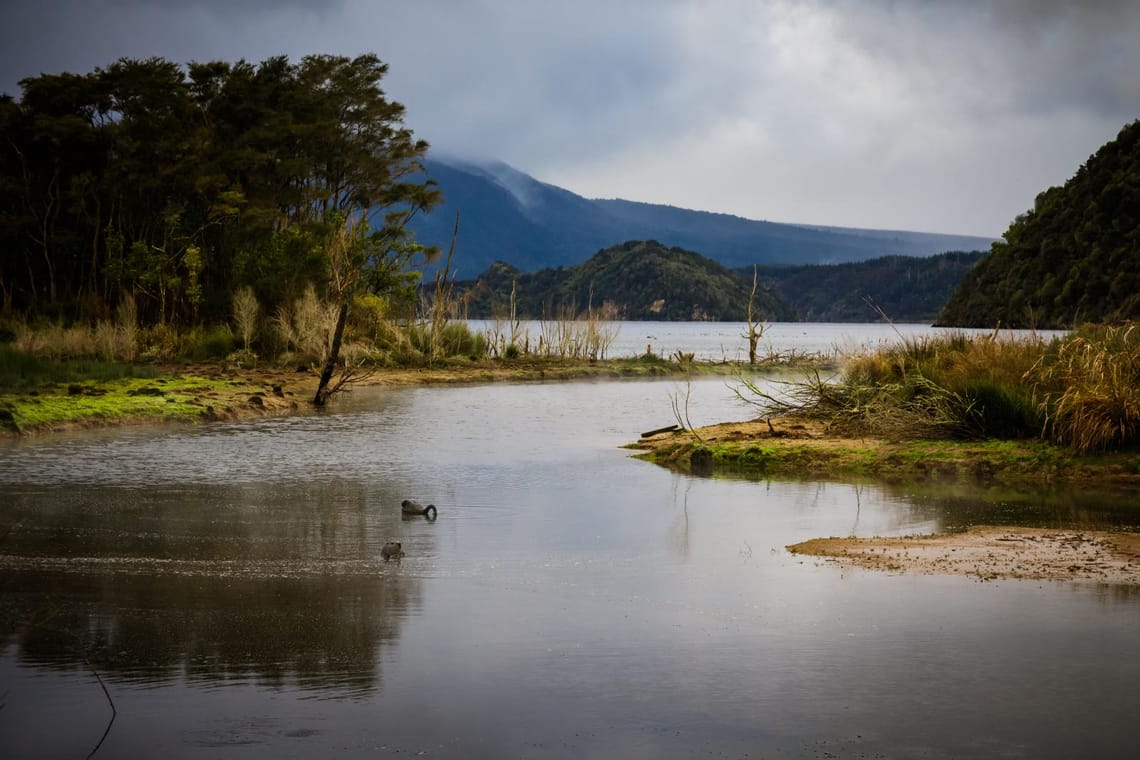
307,326
457,339
206,344
245,311
159,343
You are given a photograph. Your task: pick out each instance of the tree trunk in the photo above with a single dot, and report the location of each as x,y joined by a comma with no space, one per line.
334,354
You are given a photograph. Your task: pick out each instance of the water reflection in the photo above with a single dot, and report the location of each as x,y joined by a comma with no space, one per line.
210,582
320,633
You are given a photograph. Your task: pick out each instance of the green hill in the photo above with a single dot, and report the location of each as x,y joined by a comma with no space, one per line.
1074,257
641,280
906,288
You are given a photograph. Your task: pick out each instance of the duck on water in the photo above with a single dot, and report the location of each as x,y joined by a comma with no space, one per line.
410,507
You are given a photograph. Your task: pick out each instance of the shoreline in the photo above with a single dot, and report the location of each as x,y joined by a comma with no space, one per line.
797,449
203,392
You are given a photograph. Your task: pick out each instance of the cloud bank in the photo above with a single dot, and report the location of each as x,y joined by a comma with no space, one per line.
913,114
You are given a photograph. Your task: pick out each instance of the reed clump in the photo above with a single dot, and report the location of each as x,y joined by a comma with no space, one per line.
1090,387
1082,390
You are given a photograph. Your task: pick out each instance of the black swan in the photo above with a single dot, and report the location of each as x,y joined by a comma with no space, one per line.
409,507
392,549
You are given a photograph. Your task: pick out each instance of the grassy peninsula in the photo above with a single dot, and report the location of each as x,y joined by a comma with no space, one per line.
989,408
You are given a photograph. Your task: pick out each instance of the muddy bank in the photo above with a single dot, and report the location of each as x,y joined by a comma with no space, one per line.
991,553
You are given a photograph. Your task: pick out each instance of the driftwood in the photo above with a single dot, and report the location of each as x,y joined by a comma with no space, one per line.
666,429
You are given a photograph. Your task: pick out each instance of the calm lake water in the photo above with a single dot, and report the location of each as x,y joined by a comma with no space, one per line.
225,583
726,341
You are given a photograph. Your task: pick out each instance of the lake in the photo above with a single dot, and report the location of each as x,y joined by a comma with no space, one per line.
726,341
224,584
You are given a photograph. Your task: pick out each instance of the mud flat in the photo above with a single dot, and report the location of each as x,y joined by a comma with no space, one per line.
991,553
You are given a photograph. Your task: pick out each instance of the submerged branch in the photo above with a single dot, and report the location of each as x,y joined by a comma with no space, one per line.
111,702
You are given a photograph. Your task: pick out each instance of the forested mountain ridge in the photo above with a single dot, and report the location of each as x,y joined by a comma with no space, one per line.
904,288
637,280
1074,257
506,215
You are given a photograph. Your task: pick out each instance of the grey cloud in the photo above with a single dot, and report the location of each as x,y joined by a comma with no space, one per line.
559,78
1036,56
233,6
891,112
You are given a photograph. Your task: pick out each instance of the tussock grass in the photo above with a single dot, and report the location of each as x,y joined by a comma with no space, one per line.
446,340
1081,391
1090,386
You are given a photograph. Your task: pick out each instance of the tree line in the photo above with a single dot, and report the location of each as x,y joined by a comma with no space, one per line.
176,185
904,288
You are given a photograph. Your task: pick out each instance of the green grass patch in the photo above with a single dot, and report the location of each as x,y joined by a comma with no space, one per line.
93,402
1015,462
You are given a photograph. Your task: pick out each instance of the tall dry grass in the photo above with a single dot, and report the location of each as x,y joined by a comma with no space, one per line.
579,336
1090,386
946,385
307,325
105,340
507,330
950,385
1082,390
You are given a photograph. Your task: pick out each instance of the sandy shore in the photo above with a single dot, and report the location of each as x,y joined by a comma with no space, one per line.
990,553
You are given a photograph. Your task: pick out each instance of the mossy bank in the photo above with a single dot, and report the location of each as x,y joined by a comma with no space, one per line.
74,395
793,448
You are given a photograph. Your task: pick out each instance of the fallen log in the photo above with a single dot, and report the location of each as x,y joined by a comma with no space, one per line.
658,431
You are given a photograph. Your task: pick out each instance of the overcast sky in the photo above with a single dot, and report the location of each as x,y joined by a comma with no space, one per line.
905,114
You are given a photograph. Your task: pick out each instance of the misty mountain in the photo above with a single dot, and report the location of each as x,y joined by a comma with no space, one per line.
506,215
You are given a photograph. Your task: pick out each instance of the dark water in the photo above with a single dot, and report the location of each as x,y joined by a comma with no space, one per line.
225,582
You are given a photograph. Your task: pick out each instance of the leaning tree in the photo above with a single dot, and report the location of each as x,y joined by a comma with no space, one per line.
364,187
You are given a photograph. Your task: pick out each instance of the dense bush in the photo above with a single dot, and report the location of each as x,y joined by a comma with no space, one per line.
1074,257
